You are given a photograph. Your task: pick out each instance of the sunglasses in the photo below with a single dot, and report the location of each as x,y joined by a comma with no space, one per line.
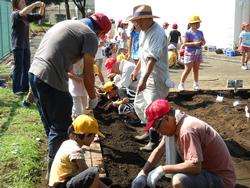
158,122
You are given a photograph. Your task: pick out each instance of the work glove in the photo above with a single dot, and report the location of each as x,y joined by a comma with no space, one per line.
169,83
139,182
93,103
154,176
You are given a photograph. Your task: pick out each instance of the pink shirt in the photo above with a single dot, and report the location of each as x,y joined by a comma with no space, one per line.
199,142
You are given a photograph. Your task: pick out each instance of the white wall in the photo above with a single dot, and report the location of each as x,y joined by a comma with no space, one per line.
217,15
242,13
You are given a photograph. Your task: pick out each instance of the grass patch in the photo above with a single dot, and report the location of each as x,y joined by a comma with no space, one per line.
4,71
22,142
40,27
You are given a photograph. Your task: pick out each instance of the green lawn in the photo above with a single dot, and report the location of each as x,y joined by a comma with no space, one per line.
22,141
42,27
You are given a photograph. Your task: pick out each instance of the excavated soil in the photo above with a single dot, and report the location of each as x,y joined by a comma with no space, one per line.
123,159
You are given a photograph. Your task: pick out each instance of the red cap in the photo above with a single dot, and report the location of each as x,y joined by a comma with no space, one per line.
109,64
243,24
174,26
104,37
182,51
165,24
102,21
156,110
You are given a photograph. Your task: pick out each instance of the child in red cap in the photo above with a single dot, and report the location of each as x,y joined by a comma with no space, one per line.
244,44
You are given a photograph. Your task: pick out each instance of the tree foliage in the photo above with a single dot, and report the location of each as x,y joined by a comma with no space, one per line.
47,2
81,6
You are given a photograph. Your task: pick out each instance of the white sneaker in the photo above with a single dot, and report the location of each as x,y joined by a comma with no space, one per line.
244,67
181,87
196,86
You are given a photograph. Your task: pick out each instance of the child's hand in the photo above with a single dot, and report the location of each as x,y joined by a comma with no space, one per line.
125,100
197,43
133,76
38,4
108,106
111,75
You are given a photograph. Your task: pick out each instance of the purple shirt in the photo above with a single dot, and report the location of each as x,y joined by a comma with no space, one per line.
193,37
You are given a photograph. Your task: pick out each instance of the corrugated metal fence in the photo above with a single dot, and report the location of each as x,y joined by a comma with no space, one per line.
5,11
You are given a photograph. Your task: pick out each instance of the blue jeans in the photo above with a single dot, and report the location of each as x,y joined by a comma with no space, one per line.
21,68
83,179
55,110
205,180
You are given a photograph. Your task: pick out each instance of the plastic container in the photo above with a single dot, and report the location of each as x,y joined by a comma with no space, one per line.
211,48
230,53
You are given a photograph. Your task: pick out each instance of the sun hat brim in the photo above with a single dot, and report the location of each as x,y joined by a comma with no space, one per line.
132,18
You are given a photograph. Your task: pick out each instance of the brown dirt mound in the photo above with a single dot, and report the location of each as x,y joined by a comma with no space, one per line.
123,159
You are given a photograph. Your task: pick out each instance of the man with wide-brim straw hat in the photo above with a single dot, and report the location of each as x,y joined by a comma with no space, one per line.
153,63
141,11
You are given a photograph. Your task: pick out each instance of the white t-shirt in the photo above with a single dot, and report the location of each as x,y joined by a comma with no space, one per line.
99,54
126,68
77,89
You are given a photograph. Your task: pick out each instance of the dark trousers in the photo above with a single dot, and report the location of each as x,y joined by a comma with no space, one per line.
21,68
84,179
55,110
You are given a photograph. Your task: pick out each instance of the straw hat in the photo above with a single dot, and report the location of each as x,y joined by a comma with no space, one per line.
141,11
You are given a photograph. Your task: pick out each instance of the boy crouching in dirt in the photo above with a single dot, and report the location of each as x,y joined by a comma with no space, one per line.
69,168
122,100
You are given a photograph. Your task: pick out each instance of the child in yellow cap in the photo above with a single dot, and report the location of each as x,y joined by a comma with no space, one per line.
69,168
122,101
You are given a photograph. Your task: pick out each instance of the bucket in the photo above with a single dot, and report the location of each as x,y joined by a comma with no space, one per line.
230,53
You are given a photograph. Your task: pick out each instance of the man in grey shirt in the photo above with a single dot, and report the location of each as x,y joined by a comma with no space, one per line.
62,46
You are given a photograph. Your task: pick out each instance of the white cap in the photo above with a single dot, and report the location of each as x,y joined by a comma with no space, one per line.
171,47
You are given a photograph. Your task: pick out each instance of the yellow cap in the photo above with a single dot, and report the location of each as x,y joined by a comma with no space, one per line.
108,86
194,19
85,124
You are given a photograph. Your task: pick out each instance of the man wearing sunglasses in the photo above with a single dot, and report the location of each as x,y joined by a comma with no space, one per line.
205,159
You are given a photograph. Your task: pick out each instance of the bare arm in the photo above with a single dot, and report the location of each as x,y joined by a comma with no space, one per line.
88,75
158,152
135,72
149,69
185,167
203,41
154,158
130,40
190,44
81,165
42,9
240,41
74,77
117,103
29,8
100,76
